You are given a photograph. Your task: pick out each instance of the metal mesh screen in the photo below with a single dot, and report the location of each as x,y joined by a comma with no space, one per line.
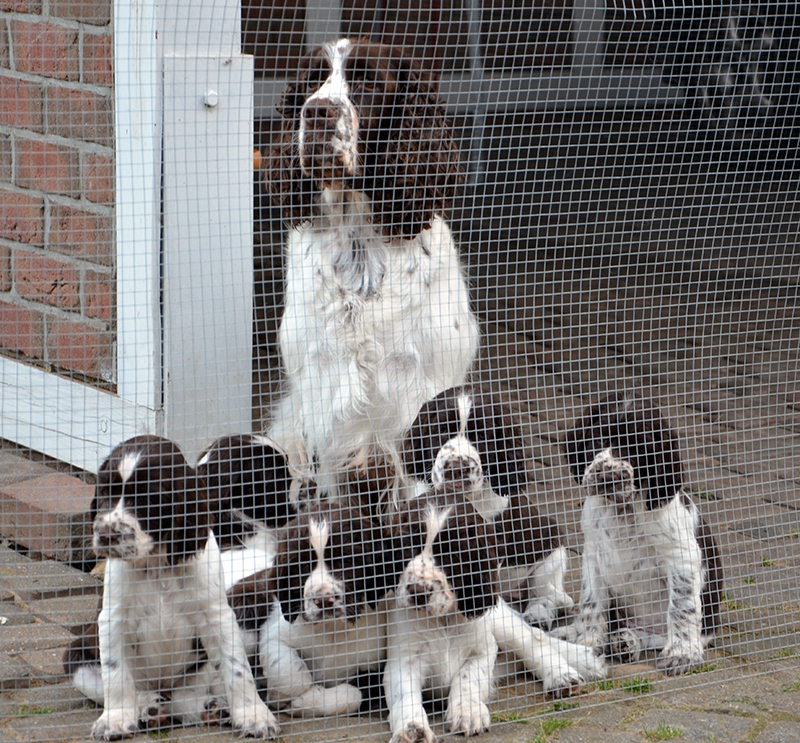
439,380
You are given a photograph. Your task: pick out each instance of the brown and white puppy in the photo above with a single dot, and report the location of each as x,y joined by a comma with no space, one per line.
316,619
248,482
466,439
165,644
651,572
440,642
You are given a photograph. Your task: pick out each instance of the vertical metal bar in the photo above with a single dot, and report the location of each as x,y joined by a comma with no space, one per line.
476,161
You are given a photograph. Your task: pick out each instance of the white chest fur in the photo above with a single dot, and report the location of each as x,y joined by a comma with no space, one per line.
371,329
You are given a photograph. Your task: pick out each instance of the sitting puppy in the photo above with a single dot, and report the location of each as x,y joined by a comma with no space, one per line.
465,439
651,573
248,482
440,641
315,619
165,644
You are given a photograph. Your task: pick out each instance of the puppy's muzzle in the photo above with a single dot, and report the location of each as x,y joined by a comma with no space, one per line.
419,594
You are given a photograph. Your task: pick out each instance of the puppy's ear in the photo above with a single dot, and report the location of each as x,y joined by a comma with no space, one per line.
465,549
249,600
293,564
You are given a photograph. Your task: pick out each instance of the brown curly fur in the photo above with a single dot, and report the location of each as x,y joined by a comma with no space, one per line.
410,170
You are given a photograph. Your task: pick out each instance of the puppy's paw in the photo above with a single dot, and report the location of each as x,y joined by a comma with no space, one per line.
414,732
255,721
678,660
624,646
469,717
564,684
540,613
115,724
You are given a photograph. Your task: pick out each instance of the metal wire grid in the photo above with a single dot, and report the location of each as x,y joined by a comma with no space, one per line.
627,224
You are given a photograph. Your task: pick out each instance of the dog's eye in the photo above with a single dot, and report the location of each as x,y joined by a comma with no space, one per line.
363,79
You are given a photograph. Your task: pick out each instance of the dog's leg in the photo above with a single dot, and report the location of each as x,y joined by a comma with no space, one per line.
321,701
120,716
683,563
225,648
402,680
562,666
286,674
548,597
467,712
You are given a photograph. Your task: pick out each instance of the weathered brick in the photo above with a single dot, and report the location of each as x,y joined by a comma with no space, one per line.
47,167
98,179
21,218
5,268
97,56
22,6
80,348
78,114
22,104
6,171
81,234
98,295
22,330
95,12
45,49
5,57
42,279
38,511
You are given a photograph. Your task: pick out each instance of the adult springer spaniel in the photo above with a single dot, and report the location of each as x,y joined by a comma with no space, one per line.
165,644
651,572
376,318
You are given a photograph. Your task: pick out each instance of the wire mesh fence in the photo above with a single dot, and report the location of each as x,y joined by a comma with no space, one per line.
391,369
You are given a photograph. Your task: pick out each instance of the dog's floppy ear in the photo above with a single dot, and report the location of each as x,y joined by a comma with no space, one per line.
419,173
465,549
291,189
293,564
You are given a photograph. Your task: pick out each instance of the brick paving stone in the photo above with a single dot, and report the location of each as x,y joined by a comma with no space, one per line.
30,637
697,725
34,580
13,673
11,614
68,611
14,468
778,732
51,727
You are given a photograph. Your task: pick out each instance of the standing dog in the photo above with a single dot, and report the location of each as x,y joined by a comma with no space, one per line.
376,318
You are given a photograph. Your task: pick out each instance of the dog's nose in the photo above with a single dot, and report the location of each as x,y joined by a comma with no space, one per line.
104,535
320,113
418,593
325,602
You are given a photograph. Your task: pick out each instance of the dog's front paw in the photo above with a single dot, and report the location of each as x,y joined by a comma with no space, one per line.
540,613
679,660
468,718
414,732
114,724
624,646
564,684
256,721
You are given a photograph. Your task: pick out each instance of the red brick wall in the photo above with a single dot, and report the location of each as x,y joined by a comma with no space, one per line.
57,185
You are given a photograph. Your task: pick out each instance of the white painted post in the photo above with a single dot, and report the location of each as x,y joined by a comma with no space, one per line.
207,222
